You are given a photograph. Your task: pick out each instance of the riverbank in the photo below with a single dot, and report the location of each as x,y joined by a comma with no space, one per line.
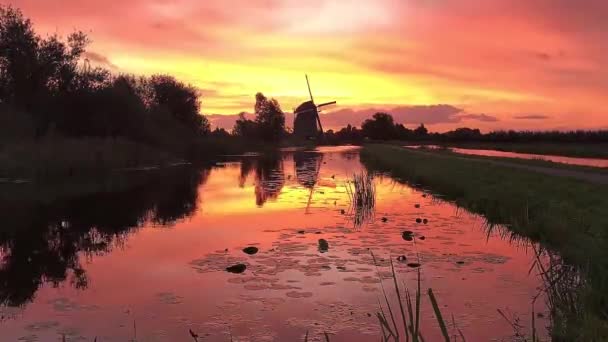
66,159
562,214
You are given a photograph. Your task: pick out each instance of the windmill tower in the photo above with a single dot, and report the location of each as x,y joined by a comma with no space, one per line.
307,123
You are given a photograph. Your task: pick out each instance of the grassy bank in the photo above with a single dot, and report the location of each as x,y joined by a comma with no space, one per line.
66,159
61,158
564,215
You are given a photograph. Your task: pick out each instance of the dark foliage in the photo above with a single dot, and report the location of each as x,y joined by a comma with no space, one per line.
270,118
48,80
382,127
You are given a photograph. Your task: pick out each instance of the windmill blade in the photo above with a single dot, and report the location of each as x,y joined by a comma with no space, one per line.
319,121
309,91
327,104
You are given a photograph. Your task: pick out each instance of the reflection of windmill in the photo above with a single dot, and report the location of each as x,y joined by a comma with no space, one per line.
307,167
307,123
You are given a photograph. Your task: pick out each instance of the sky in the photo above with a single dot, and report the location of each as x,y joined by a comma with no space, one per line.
492,64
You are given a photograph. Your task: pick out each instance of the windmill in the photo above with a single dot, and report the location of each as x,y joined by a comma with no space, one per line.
306,122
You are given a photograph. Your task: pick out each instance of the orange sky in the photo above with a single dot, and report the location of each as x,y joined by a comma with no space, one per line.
534,64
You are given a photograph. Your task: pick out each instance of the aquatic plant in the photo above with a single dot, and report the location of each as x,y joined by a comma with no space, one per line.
362,193
409,309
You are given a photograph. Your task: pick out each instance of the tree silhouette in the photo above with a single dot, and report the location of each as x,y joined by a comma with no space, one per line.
245,128
179,99
380,127
269,118
421,131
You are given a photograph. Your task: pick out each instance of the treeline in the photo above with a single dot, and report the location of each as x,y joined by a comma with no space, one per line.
47,88
382,127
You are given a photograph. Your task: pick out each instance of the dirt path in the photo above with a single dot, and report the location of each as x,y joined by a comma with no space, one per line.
587,176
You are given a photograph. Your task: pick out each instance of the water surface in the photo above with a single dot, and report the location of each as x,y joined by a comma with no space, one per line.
149,263
593,162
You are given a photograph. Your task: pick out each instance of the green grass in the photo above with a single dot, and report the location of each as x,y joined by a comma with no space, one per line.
562,214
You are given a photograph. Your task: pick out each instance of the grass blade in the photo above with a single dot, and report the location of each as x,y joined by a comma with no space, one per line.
399,299
444,329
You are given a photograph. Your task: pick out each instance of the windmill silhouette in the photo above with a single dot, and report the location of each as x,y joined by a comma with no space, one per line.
307,123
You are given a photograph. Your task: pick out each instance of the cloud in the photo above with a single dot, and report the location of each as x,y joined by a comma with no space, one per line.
100,59
550,56
480,117
407,115
532,117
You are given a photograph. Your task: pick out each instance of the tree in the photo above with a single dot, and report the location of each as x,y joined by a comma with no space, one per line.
380,127
421,131
269,117
245,128
33,69
18,56
179,99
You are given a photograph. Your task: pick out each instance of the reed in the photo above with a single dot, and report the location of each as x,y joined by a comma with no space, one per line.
362,193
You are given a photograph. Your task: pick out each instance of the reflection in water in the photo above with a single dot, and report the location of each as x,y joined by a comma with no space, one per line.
44,245
268,173
307,166
259,274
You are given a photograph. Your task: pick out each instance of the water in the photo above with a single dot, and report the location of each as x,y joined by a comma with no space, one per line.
593,162
148,263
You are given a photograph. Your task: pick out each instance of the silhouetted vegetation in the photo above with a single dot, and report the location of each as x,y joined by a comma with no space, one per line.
47,80
268,125
55,109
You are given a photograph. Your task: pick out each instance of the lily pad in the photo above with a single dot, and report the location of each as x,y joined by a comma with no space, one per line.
323,245
408,235
250,250
238,268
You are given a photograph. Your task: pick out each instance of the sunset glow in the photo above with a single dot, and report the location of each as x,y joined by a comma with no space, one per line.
497,64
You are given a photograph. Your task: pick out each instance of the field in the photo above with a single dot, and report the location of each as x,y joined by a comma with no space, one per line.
562,214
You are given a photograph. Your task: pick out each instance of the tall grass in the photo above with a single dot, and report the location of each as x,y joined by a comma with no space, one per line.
362,193
408,328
